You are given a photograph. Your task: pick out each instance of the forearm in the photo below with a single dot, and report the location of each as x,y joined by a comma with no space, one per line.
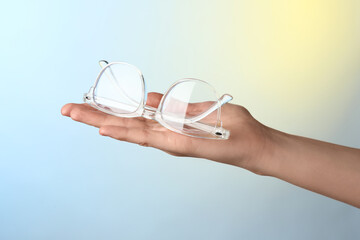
329,169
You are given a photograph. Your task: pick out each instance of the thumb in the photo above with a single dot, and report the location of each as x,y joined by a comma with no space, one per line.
153,99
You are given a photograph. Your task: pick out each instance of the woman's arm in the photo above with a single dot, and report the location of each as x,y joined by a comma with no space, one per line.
329,169
325,168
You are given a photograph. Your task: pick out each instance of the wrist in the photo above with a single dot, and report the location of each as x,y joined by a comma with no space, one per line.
267,158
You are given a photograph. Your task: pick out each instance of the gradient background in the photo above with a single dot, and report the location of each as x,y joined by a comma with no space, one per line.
293,64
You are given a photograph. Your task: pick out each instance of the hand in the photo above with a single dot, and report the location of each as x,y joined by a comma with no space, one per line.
325,168
245,147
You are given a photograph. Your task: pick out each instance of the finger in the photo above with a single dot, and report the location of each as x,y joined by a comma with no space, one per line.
82,113
153,99
66,109
167,141
141,136
176,154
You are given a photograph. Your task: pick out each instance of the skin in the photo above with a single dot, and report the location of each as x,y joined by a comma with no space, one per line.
328,169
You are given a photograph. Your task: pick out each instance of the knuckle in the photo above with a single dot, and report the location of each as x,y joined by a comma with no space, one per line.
76,114
243,109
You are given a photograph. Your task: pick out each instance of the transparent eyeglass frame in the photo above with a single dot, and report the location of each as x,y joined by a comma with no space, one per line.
214,132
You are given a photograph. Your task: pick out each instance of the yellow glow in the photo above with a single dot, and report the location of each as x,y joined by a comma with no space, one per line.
296,59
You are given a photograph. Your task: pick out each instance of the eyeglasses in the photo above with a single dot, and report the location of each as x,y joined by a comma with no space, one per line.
190,106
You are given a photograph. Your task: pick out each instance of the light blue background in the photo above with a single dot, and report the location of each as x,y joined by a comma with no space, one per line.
60,179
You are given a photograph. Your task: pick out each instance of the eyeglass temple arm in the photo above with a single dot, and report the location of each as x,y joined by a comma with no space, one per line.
223,100
149,111
103,64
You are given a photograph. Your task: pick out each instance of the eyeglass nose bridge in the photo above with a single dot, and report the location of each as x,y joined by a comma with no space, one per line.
149,112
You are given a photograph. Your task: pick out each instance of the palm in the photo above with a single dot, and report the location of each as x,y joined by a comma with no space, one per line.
245,131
